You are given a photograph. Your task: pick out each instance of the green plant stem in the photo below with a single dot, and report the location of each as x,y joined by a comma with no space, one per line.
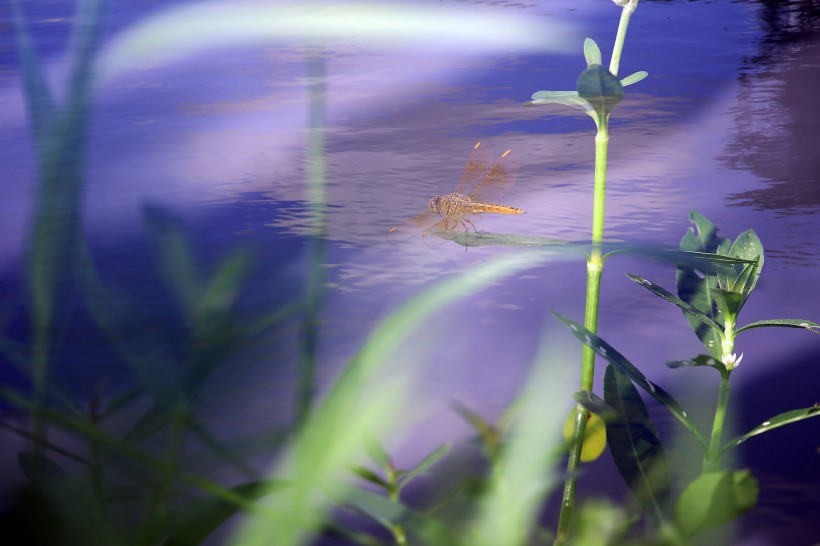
712,459
317,203
623,24
595,264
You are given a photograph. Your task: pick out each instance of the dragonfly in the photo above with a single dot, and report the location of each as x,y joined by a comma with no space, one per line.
459,209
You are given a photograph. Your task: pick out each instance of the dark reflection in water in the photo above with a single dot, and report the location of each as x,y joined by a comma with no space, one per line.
777,113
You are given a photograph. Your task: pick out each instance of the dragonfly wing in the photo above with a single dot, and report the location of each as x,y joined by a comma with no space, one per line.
415,226
497,182
476,168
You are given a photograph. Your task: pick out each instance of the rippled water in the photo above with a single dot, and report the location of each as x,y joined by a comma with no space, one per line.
725,124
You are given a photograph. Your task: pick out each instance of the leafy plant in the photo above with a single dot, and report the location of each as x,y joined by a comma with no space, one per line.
711,302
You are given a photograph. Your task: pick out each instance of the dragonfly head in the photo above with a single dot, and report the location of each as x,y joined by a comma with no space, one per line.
435,204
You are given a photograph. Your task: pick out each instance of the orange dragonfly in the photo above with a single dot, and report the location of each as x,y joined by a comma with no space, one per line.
448,212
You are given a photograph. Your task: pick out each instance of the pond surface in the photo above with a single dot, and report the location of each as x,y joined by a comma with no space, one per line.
209,136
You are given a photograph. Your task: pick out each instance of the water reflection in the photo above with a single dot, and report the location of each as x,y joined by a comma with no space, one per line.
776,114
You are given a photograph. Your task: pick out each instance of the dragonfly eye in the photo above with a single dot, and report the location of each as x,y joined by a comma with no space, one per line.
435,204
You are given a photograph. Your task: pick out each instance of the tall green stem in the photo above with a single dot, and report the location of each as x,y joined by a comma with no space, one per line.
595,264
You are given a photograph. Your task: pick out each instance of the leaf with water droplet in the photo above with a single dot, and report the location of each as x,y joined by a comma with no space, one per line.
777,421
700,360
687,308
783,323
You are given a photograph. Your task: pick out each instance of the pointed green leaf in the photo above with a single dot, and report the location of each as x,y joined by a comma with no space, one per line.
649,285
425,464
777,421
592,53
715,498
635,445
783,323
606,351
600,88
594,404
635,77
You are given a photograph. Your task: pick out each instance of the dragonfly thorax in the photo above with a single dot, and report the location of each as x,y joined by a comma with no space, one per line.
452,204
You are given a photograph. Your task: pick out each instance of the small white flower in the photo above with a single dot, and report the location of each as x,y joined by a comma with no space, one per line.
732,361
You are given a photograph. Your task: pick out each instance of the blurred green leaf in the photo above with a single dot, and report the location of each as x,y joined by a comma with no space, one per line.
600,522
427,529
600,88
525,470
489,434
635,77
635,445
592,53
370,476
317,461
605,350
715,498
420,469
377,454
783,323
687,308
777,421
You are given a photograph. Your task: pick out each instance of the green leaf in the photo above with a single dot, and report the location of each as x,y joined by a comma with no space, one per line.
370,476
594,404
194,522
378,454
435,456
567,98
783,323
687,308
700,360
635,77
777,421
635,445
606,351
488,433
715,498
592,53
600,88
